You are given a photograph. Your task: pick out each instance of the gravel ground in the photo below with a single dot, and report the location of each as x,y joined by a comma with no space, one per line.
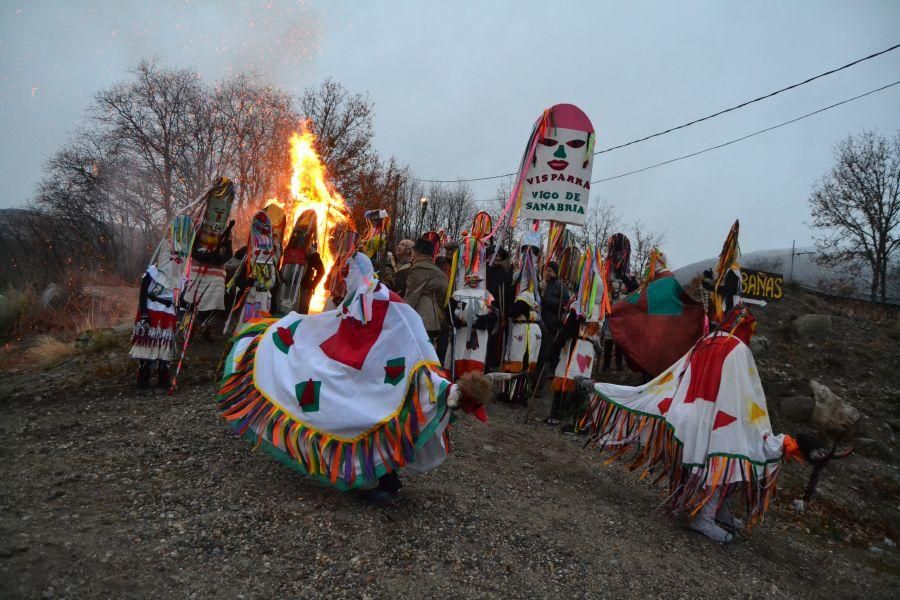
109,494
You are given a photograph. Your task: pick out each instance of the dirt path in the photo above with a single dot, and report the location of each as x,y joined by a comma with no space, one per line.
109,494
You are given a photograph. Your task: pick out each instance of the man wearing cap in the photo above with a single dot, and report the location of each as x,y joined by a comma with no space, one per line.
426,287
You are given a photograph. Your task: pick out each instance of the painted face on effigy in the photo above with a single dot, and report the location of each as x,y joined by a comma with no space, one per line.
561,148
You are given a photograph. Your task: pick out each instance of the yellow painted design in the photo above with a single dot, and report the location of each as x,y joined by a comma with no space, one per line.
664,379
756,412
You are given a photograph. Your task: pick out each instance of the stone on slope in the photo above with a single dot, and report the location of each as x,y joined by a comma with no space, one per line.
831,414
812,326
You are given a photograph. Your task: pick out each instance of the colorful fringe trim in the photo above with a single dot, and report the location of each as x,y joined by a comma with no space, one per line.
345,465
158,341
690,486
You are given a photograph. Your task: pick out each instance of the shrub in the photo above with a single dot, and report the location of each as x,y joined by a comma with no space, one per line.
47,351
15,305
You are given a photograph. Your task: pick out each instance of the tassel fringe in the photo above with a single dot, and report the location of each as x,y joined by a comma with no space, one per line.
342,464
658,451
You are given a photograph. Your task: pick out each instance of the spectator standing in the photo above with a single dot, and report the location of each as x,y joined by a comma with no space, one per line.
426,288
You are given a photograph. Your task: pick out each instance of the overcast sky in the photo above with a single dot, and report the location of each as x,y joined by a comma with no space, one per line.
457,86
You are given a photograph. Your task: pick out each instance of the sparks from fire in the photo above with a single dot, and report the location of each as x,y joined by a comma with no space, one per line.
310,188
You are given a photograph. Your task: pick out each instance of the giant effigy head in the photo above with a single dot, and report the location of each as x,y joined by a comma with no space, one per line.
557,178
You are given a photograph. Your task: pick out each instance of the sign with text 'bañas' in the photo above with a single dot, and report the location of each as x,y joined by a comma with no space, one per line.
761,285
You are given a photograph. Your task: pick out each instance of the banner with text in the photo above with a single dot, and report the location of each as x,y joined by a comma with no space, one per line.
557,181
761,285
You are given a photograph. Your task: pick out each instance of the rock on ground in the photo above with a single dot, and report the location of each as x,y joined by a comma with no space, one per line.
832,415
812,326
797,408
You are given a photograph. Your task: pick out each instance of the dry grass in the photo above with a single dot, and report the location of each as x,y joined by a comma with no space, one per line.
14,306
47,351
80,308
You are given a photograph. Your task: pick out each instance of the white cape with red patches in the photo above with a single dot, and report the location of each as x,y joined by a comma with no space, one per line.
357,373
712,400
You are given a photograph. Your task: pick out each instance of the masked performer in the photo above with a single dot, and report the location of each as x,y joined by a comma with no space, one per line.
581,331
259,271
703,425
619,283
347,397
279,226
374,243
725,284
212,249
523,343
153,339
301,264
470,302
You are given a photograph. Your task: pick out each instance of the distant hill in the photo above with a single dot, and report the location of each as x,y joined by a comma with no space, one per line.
805,271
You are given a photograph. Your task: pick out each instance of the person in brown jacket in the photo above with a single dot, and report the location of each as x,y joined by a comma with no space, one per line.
426,287
403,254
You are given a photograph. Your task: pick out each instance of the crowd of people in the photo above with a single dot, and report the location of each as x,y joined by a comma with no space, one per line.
352,394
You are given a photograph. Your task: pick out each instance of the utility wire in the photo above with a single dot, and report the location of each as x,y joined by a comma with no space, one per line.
695,121
735,140
749,135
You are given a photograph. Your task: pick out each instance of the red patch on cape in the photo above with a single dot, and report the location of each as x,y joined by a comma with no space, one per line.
664,405
284,334
394,372
353,340
722,419
706,368
309,394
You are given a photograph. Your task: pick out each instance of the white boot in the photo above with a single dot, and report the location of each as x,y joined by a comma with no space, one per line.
705,523
726,517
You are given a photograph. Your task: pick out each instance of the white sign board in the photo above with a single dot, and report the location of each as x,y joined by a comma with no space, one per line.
557,180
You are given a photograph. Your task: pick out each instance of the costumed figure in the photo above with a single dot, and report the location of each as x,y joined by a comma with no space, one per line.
153,340
658,322
301,265
259,273
212,249
570,266
725,283
703,426
374,242
347,397
619,283
581,335
279,224
343,248
470,303
523,342
558,241
499,284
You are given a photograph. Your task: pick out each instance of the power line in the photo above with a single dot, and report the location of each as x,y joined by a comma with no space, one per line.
693,122
749,135
748,102
735,140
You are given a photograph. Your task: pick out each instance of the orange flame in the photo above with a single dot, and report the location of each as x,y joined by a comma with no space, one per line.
310,188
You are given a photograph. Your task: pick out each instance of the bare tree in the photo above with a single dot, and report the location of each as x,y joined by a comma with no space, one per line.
258,121
643,242
856,206
602,221
151,120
